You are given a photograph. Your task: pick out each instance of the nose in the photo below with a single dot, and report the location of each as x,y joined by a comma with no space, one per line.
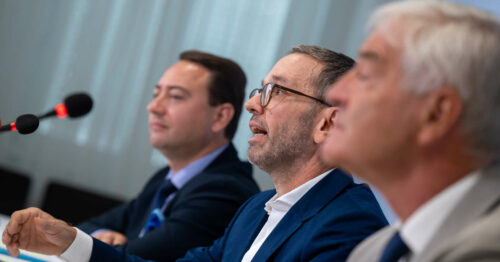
253,106
338,92
156,106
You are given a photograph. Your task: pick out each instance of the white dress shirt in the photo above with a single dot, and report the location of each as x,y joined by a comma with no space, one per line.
424,223
276,209
80,250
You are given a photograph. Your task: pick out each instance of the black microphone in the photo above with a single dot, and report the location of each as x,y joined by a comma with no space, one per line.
74,105
25,124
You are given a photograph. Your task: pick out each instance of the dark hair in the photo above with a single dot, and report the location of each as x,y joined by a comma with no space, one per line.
227,83
335,64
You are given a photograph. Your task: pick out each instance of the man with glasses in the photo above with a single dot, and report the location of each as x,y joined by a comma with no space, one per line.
316,212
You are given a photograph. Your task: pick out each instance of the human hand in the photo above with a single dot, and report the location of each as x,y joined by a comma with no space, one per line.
111,237
34,230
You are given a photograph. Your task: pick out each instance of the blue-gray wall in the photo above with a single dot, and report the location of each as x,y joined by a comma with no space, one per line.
116,51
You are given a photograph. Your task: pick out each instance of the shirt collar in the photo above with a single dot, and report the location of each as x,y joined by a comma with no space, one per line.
194,168
286,201
420,227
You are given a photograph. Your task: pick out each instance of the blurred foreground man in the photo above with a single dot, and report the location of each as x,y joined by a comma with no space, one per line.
420,120
192,119
316,213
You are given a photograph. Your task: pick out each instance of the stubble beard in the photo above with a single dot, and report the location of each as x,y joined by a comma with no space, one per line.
283,151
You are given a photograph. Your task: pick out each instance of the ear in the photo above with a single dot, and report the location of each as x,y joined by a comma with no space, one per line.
325,123
223,114
440,114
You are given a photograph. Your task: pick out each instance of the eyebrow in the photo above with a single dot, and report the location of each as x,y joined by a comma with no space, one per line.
174,87
370,55
277,80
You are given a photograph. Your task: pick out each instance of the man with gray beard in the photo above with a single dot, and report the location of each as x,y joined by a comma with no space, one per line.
316,212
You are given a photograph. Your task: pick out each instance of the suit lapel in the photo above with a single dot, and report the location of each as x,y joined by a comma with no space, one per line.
307,207
482,198
246,234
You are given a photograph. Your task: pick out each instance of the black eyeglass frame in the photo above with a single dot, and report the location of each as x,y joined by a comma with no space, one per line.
272,86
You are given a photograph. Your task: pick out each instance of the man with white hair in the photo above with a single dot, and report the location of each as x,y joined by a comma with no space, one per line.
420,120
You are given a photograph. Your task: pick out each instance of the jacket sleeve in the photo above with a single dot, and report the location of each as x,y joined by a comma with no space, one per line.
102,252
214,252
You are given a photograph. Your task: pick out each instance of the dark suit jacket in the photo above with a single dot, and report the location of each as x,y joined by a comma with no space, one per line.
196,216
324,225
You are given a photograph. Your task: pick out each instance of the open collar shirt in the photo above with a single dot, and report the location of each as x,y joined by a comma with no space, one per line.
423,224
276,209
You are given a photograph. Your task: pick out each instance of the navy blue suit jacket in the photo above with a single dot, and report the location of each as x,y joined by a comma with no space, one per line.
196,216
324,225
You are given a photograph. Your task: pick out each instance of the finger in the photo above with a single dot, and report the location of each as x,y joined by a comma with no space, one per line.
113,241
42,214
106,238
15,241
13,249
9,243
6,238
120,240
100,235
15,238
18,218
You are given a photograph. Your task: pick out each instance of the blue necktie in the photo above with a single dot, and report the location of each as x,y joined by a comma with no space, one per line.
395,249
156,218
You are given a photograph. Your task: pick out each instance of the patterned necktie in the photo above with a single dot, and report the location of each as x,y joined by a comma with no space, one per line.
156,218
395,249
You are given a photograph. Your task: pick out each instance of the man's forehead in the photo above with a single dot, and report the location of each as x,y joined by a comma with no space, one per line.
373,50
277,79
378,46
188,68
184,73
295,70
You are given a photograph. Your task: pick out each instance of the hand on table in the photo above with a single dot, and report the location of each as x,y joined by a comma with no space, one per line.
34,230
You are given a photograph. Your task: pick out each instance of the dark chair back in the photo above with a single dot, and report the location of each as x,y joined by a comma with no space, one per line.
14,190
75,205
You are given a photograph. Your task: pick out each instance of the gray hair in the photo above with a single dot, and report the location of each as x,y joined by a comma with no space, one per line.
334,65
455,45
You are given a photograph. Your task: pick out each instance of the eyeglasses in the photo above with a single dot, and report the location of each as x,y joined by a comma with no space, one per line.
267,90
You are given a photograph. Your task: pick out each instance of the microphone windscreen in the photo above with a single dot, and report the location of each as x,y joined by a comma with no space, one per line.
27,124
78,104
